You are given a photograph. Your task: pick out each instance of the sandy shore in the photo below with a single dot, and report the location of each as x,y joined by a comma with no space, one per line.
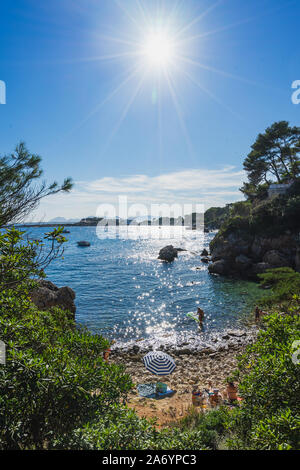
193,370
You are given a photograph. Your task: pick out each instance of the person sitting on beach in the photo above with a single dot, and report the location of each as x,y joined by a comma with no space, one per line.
257,314
215,398
107,351
232,392
198,398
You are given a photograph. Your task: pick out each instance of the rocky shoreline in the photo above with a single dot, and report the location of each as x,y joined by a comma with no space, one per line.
47,295
193,343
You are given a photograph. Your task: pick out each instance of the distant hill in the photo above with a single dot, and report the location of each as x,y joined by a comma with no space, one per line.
63,220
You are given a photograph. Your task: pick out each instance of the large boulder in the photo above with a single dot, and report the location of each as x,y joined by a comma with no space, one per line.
242,262
297,260
276,259
218,267
260,268
168,254
48,295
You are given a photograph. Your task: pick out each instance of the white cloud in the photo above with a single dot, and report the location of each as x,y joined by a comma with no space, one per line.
197,186
186,180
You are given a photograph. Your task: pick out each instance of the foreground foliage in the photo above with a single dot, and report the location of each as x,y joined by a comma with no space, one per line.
269,382
55,389
58,393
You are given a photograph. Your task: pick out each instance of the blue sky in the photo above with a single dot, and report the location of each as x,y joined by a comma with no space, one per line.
182,141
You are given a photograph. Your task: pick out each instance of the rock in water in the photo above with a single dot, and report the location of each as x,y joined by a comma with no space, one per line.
48,295
83,243
168,254
204,253
218,267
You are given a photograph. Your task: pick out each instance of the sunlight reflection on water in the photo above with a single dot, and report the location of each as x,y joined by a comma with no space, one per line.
124,292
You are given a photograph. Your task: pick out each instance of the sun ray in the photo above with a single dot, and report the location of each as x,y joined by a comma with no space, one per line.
133,20
125,112
199,18
238,23
101,58
210,94
219,30
116,39
160,129
134,72
143,13
179,113
220,72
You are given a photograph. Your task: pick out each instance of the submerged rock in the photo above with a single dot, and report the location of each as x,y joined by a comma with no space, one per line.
48,295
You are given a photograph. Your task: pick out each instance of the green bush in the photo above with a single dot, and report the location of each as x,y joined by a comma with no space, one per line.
269,383
54,379
121,429
284,284
212,425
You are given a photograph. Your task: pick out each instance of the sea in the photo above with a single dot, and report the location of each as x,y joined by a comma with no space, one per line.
126,294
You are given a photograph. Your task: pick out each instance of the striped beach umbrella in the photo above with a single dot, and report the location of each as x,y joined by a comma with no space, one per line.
159,363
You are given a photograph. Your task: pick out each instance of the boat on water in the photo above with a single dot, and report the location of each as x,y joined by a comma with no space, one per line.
66,231
83,243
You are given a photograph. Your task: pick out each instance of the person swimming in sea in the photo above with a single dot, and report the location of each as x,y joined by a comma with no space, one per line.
201,314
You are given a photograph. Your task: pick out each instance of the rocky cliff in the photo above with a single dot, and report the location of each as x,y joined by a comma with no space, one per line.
241,254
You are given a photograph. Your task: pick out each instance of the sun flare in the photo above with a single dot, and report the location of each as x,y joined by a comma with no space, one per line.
159,50
161,47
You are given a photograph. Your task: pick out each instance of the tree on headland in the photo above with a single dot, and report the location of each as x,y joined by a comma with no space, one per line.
274,158
19,195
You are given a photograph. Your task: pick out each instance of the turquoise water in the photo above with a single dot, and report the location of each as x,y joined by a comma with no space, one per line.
125,293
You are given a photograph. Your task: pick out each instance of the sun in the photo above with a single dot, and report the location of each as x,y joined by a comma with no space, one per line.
159,50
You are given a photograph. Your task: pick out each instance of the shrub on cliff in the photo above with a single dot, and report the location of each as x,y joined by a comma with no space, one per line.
284,284
215,216
281,211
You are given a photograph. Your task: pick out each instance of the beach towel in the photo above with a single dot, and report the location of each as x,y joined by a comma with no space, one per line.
151,391
147,390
